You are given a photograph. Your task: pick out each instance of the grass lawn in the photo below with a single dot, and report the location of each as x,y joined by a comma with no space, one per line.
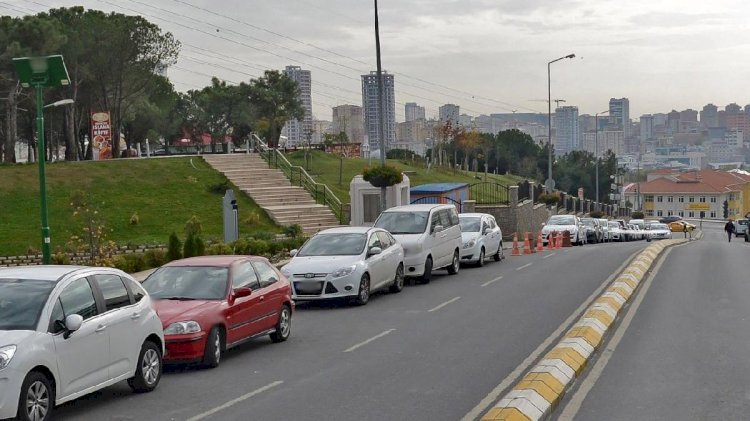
164,192
325,169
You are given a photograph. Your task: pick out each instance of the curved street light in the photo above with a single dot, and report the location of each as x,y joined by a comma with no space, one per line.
550,183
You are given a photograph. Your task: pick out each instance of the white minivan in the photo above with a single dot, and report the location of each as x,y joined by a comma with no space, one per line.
430,235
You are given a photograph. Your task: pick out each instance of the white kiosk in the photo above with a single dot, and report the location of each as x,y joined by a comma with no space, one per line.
365,199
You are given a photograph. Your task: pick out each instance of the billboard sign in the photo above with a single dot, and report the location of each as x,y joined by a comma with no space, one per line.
101,135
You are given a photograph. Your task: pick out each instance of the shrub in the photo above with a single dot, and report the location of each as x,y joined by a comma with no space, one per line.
217,249
130,263
200,246
135,219
597,214
257,247
637,215
293,231
155,258
549,199
263,235
219,188
189,247
174,249
240,246
382,176
193,226
61,258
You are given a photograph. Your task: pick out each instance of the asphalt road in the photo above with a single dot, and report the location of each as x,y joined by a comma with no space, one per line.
684,355
432,352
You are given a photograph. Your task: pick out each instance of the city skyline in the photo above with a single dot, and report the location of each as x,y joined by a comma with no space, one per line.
662,55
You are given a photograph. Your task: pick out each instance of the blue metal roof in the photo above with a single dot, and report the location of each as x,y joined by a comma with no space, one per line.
437,187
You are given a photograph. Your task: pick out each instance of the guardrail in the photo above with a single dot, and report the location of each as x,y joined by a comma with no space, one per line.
298,176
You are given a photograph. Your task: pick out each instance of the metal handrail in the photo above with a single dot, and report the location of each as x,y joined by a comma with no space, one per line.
320,192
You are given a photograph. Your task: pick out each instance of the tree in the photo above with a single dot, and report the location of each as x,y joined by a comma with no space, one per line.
275,97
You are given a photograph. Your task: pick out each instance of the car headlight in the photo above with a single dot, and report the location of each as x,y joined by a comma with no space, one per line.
469,244
6,354
285,271
182,328
338,273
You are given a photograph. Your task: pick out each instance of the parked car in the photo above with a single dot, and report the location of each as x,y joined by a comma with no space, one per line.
640,223
67,331
594,233
657,231
562,223
635,232
347,262
670,218
615,232
740,227
604,224
212,303
480,236
430,235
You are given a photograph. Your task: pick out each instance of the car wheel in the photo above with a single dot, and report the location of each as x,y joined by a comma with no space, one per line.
363,293
427,275
455,264
480,262
283,326
398,281
148,371
499,255
214,346
37,399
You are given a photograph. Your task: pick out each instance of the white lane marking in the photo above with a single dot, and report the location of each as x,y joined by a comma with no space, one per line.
524,266
525,364
549,255
576,401
439,306
363,343
492,281
235,401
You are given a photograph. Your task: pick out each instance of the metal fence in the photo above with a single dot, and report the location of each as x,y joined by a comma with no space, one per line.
488,193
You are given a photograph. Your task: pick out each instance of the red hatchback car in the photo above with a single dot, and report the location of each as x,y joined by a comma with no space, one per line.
212,303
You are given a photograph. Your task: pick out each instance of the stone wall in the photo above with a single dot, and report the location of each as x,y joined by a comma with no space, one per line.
75,258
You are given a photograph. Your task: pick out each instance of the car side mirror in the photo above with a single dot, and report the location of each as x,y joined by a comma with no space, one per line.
293,253
242,292
374,251
544,224
73,322
437,229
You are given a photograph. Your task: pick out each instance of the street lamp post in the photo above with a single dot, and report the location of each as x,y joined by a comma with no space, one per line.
381,106
596,152
41,72
550,183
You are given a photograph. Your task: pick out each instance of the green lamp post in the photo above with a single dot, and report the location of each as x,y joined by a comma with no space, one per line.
41,72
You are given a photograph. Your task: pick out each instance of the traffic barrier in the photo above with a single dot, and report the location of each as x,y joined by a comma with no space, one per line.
527,244
539,245
516,251
551,241
566,239
558,240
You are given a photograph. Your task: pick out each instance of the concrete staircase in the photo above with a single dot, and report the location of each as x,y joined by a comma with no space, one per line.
272,191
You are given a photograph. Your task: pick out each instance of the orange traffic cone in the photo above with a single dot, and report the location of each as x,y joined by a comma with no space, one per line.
559,240
551,241
516,251
527,244
539,246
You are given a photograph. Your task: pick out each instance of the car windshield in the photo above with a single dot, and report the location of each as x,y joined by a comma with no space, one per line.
344,244
470,224
403,222
562,220
588,222
742,222
188,283
658,227
21,302
614,225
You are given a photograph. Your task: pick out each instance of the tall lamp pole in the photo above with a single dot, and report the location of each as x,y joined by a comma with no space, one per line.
381,106
596,153
41,72
549,185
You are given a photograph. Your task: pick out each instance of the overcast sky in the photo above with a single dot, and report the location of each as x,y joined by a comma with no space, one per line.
484,55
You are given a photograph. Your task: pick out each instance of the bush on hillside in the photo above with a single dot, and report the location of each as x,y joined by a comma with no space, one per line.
637,215
155,258
174,249
382,176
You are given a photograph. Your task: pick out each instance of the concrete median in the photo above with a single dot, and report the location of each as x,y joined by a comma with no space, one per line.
537,394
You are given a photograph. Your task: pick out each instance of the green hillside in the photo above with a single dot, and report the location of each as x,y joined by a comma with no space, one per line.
325,169
164,192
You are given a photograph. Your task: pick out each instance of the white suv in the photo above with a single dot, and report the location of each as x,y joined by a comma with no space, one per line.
66,331
430,235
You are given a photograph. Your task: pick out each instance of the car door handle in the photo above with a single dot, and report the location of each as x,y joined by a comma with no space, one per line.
101,329
135,316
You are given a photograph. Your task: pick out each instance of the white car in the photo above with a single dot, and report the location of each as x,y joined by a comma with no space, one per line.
67,331
347,262
615,232
481,237
658,231
604,223
430,234
561,223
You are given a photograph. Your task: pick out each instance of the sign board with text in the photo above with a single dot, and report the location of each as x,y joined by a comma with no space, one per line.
101,135
701,206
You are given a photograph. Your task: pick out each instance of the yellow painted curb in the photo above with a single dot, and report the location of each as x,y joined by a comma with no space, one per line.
505,414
